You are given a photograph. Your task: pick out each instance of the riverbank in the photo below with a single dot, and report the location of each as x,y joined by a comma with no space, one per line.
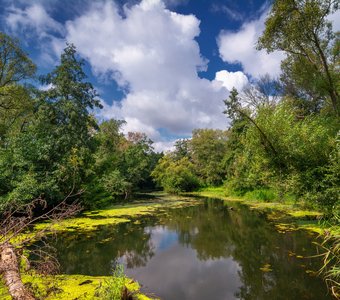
286,213
71,287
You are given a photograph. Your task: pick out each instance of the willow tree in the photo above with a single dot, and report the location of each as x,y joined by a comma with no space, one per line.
301,29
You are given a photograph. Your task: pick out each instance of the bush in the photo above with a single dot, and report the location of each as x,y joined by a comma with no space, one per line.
176,176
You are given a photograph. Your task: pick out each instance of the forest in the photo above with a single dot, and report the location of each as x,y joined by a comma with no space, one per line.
282,143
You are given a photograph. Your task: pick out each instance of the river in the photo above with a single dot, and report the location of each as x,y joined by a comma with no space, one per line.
209,250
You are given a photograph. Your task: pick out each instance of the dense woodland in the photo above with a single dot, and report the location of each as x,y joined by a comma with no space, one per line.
52,145
282,143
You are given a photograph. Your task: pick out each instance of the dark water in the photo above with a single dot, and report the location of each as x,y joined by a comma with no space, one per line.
206,251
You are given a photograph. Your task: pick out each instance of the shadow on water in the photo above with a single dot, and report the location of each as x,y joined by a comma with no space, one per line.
206,251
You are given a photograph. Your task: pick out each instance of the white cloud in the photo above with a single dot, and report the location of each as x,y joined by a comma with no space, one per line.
32,22
232,79
153,52
239,47
164,146
228,11
33,17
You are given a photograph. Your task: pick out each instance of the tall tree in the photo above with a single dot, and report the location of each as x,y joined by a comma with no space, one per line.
69,100
15,101
208,148
301,29
50,157
236,112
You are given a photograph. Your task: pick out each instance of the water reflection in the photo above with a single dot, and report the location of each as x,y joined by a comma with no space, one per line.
205,251
96,253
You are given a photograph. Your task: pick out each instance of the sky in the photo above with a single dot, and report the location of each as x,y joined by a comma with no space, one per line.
163,66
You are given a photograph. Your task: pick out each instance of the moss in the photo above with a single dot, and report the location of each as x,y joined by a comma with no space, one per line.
90,221
68,287
283,227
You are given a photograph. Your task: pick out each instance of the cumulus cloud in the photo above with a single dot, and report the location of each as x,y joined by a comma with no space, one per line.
33,22
153,55
34,18
239,47
151,52
229,80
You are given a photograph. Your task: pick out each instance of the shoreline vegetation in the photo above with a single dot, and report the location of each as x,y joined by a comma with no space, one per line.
284,216
298,214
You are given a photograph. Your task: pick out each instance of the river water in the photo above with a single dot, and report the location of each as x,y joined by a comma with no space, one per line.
210,250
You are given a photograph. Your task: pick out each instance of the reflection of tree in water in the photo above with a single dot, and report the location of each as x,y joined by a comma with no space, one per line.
200,227
215,232
95,253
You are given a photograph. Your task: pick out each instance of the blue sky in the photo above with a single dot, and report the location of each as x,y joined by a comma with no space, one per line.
163,66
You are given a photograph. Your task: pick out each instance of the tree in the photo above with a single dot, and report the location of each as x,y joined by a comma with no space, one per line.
69,100
15,65
301,30
182,149
174,175
15,101
208,147
51,155
235,112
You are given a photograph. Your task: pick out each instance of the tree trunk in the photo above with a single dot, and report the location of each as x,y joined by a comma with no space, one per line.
9,269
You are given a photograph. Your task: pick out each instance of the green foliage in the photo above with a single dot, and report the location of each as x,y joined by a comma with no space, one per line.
51,154
331,260
50,143
302,157
208,147
115,183
114,287
266,195
175,176
14,62
122,165
301,29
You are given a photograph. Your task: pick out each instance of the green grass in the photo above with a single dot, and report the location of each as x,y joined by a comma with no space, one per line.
114,287
331,260
266,195
72,287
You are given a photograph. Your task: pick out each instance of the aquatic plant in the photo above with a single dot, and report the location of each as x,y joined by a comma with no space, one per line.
114,287
331,261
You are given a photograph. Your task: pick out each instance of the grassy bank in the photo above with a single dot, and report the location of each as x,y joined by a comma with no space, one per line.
72,287
297,214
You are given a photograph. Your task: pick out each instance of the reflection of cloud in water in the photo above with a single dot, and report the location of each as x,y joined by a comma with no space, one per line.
162,238
176,273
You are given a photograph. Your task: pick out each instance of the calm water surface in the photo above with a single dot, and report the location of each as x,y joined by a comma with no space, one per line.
205,251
